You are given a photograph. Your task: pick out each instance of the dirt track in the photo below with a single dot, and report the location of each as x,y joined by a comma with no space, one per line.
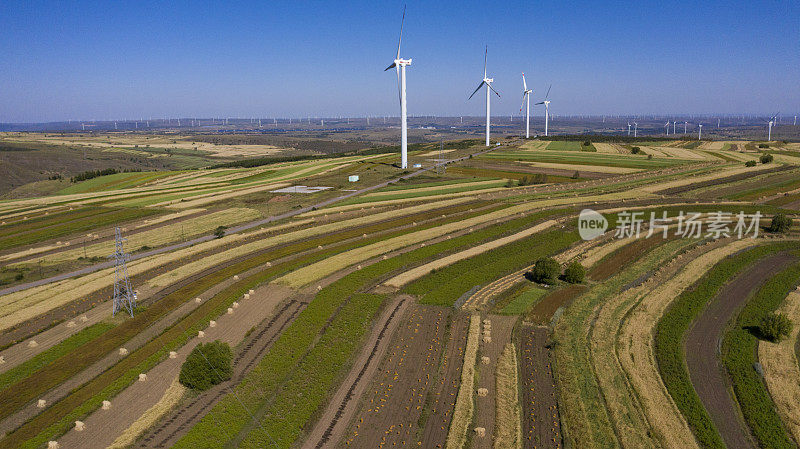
340,410
540,421
702,349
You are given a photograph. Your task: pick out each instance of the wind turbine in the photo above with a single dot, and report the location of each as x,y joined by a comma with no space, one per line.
526,102
400,67
629,129
684,127
771,123
546,104
700,132
488,82
635,129
667,127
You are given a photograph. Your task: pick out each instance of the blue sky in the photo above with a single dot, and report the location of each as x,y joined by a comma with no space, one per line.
114,60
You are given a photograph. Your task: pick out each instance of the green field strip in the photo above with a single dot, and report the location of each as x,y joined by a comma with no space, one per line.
584,158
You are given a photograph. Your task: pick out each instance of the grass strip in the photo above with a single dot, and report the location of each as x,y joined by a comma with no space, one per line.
465,402
675,323
739,355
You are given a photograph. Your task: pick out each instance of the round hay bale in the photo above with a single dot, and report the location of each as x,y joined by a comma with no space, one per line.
198,300
480,432
483,392
32,344
251,291
2,359
53,445
123,351
319,288
230,310
41,403
212,323
71,324
485,360
201,334
84,318
235,277
142,377
247,296
79,426
269,264
385,257
319,246
173,355
235,304
106,405
487,338
358,267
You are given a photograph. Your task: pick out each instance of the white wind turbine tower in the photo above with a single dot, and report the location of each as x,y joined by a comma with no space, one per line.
667,127
400,67
526,102
488,82
546,104
635,129
771,123
700,132
629,129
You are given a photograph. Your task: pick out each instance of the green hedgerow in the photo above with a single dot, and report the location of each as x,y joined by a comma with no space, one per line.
207,365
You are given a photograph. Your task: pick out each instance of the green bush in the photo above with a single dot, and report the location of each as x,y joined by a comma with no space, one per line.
780,223
766,158
207,365
220,231
750,164
775,327
545,271
636,150
574,273
763,145
576,175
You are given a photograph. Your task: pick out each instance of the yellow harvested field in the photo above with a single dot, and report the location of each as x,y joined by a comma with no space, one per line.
733,170
713,145
586,168
170,399
436,153
417,272
610,148
476,184
534,145
462,415
207,198
635,343
683,153
781,369
508,430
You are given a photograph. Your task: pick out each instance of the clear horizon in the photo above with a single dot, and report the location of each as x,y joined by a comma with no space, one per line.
97,61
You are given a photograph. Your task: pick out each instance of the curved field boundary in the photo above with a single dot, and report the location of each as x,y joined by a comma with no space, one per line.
587,418
417,272
675,323
465,401
781,369
739,349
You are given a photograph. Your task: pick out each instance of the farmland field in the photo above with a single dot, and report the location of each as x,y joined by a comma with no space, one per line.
409,308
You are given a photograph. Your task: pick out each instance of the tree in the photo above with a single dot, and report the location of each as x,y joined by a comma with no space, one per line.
766,158
207,365
545,271
775,326
780,223
750,164
576,175
636,150
574,273
220,231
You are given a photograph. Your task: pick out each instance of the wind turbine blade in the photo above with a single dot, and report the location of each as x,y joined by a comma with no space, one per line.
402,22
492,88
485,53
477,89
390,67
524,84
523,101
541,102
547,95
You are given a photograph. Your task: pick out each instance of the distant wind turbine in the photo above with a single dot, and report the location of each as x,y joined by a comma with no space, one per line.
526,102
629,129
488,82
635,129
666,126
546,104
771,123
700,132
400,67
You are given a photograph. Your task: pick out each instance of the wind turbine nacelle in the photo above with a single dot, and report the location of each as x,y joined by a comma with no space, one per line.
402,61
488,80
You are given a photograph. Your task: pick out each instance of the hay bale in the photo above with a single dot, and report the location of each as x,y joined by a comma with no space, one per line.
358,267
319,288
483,392
230,311
2,359
173,355
251,291
71,324
84,318
41,403
142,377
198,300
235,304
53,445
246,296
123,351
480,432
212,323
485,360
79,426
487,339
32,344
106,405
235,277
269,264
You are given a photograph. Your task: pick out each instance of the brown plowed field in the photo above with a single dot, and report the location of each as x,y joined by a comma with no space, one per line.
540,420
485,406
393,406
702,349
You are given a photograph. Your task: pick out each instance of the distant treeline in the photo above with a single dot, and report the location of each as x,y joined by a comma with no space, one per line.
609,138
96,173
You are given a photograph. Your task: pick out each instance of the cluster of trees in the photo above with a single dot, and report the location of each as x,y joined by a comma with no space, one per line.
97,173
780,223
547,271
775,327
537,178
207,365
